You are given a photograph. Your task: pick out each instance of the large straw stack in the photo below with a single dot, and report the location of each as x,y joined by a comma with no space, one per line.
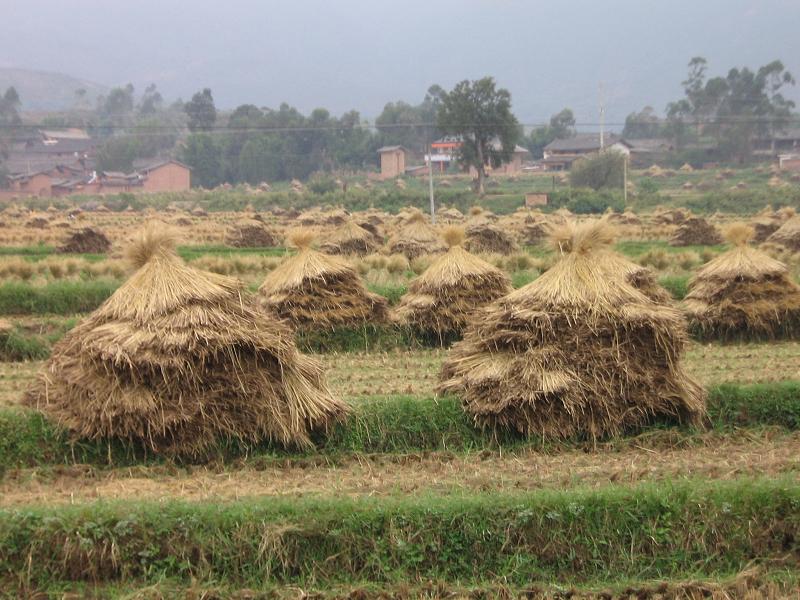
695,231
86,241
314,290
416,238
579,351
177,359
788,235
350,239
250,233
743,293
452,288
488,238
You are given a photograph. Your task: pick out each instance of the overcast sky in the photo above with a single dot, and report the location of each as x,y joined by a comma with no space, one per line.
353,54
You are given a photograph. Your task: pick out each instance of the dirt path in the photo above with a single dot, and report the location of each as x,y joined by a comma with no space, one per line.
716,457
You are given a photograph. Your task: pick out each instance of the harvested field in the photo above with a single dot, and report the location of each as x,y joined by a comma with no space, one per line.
651,458
414,373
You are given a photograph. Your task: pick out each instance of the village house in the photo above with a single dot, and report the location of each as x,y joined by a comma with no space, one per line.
559,154
445,150
392,161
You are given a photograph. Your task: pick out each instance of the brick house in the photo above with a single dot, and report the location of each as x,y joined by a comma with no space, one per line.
392,161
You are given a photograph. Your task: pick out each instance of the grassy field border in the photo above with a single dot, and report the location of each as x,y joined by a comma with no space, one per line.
665,530
389,424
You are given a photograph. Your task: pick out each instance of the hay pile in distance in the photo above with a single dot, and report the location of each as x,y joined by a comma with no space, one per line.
578,352
350,239
442,299
177,359
416,238
696,231
86,241
250,233
787,235
488,238
743,294
315,290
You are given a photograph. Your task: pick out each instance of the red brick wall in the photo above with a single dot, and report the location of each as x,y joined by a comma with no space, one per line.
168,178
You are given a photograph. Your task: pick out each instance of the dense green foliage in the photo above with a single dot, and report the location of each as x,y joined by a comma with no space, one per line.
605,170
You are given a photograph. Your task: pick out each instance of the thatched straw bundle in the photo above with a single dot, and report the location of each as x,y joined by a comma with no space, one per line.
484,237
624,218
250,233
178,358
350,239
579,351
449,215
416,238
788,234
763,227
313,290
86,241
675,216
695,231
686,168
743,293
452,288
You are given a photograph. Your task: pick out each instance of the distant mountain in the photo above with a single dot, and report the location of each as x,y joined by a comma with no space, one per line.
41,90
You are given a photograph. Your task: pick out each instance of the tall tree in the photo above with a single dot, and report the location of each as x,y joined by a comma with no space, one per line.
203,155
481,115
562,125
735,109
643,124
201,111
10,122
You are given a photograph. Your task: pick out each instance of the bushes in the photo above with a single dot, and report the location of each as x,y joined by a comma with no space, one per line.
603,170
586,201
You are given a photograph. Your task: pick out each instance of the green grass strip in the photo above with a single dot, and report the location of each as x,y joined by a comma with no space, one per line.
647,531
57,298
389,424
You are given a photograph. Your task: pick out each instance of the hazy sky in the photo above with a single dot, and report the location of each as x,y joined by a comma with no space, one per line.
353,54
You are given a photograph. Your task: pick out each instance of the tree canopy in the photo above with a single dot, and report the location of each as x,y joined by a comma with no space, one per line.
480,114
201,111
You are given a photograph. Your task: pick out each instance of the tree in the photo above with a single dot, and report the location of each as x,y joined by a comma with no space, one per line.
643,124
735,109
481,115
151,101
261,159
204,156
10,122
603,170
201,111
117,154
562,125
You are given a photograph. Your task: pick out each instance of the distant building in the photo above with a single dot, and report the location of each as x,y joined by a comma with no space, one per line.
445,150
789,162
648,151
165,176
785,141
561,153
392,161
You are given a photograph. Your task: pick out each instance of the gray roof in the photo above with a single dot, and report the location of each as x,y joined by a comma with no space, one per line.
649,144
584,142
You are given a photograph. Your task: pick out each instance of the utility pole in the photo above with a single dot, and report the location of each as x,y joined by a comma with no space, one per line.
602,117
625,179
430,184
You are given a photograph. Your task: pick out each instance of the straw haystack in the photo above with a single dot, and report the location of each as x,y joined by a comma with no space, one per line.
624,218
787,235
450,215
686,168
764,226
674,216
416,238
314,290
177,359
86,241
743,293
452,288
695,231
577,352
250,233
488,238
350,239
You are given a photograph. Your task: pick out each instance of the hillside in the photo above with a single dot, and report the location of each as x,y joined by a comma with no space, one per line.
41,90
